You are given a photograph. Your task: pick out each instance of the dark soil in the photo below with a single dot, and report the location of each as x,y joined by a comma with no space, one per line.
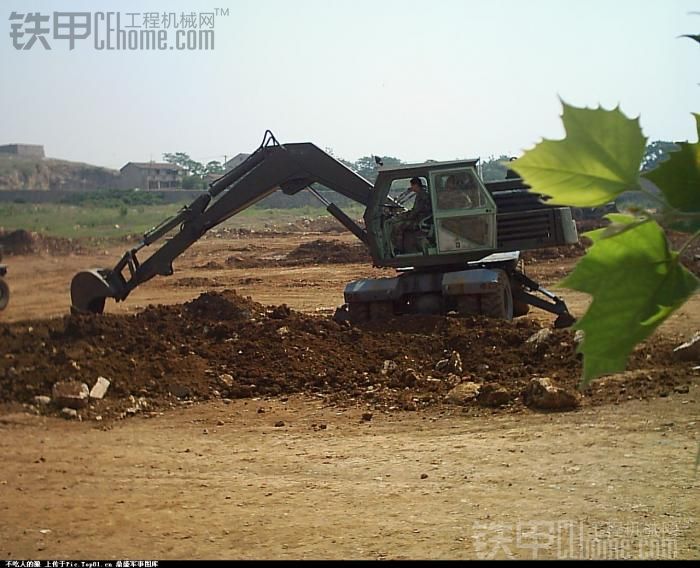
312,252
21,242
222,345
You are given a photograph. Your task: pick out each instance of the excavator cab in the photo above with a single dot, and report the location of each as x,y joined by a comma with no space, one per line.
461,219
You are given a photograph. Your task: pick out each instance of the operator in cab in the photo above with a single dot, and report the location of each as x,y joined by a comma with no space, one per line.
406,225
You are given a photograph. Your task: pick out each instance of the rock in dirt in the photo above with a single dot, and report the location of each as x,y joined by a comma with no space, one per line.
42,400
69,413
409,378
71,394
539,339
463,393
493,395
226,379
366,416
453,364
99,390
544,395
179,391
389,367
279,424
690,350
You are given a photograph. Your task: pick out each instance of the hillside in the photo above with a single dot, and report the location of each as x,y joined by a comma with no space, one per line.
30,173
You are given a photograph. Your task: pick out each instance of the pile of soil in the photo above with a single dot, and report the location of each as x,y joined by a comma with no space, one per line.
222,345
329,252
325,224
313,252
21,242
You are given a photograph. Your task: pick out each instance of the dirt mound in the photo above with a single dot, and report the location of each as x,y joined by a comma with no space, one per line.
325,224
313,252
16,242
21,242
224,345
330,252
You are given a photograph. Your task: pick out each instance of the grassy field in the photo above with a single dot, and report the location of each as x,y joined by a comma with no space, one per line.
90,220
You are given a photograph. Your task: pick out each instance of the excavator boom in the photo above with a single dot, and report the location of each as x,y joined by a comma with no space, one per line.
291,168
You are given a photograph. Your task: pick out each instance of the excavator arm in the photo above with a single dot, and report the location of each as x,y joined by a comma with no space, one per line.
290,167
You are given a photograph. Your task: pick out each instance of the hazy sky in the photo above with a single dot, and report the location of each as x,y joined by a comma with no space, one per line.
417,79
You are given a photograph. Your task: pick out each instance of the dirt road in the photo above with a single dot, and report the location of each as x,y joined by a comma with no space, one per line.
221,481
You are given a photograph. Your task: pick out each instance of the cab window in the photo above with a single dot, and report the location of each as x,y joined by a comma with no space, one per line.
458,190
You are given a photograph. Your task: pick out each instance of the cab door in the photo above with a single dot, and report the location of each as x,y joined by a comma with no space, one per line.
464,212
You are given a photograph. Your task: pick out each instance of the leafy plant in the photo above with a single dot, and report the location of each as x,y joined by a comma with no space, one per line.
636,281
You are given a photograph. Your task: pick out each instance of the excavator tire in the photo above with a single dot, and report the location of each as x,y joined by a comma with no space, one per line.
499,304
468,305
358,312
381,311
4,294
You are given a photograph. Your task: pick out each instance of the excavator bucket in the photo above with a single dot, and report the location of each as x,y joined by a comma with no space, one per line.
88,291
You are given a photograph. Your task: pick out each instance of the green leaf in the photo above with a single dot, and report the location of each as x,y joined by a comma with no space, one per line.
679,176
619,223
598,160
636,282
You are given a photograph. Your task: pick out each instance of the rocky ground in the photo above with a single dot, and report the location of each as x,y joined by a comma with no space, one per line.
224,346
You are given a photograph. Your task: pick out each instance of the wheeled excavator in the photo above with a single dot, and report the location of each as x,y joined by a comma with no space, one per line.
462,257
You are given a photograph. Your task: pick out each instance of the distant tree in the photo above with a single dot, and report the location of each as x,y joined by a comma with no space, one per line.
190,166
213,168
368,168
195,173
350,165
492,168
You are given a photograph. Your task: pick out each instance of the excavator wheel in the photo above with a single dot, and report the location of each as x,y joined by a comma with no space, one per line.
358,312
499,304
381,311
4,294
468,305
